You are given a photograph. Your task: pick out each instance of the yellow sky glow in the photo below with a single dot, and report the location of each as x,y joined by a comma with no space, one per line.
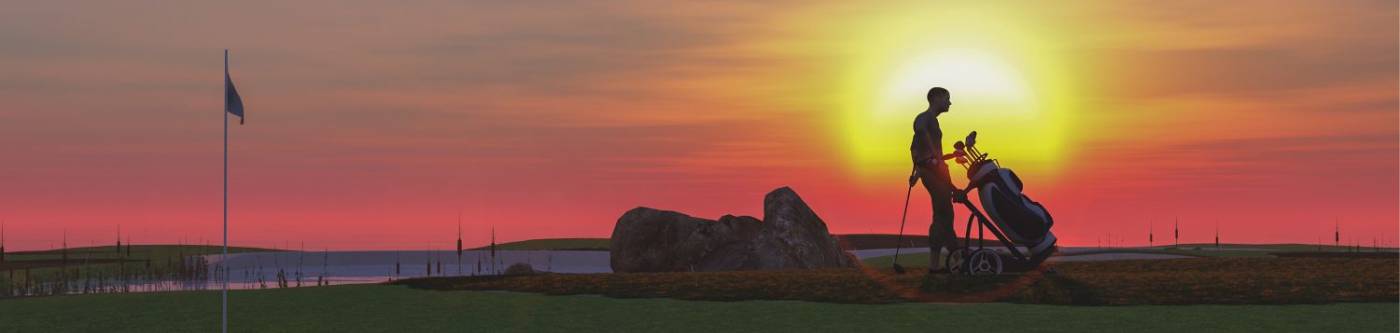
1006,83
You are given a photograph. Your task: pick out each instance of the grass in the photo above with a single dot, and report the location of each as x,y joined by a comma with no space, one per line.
910,260
829,285
1220,281
1230,280
379,308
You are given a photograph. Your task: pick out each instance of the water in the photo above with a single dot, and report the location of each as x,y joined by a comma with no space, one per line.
260,270
269,270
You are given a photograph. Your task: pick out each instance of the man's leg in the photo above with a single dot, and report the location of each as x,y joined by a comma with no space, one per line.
935,245
926,176
940,233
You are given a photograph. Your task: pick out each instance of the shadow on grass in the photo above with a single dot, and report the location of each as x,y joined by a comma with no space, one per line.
1057,289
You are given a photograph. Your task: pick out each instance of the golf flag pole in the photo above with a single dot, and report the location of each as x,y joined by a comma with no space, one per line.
232,104
223,258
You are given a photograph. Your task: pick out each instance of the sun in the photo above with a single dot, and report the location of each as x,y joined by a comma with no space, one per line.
1006,82
980,77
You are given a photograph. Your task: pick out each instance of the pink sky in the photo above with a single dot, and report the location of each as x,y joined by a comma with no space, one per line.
371,127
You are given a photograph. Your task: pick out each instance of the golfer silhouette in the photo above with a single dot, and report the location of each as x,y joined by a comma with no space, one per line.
930,166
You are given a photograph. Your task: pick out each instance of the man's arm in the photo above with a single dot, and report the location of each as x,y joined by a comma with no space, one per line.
955,154
914,177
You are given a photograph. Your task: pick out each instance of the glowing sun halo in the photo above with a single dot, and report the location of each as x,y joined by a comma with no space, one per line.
1006,83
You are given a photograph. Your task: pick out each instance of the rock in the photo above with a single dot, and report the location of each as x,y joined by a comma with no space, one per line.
794,237
651,240
724,245
791,236
520,268
648,240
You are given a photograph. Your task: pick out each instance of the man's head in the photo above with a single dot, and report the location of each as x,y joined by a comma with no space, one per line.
939,100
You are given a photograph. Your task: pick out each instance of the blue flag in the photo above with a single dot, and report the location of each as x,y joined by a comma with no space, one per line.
232,103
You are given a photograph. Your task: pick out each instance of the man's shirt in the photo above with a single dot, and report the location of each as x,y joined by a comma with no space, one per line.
926,130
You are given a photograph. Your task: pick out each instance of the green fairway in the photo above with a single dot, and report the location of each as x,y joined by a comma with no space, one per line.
906,260
379,308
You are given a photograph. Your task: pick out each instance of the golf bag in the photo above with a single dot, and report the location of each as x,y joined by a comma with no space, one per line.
1024,221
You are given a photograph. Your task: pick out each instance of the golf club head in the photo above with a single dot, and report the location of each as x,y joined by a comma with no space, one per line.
958,145
971,139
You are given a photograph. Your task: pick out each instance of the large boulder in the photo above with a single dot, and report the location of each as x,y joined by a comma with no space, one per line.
794,237
646,240
791,236
651,240
723,245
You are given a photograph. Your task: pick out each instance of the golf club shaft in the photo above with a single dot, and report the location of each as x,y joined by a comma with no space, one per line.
898,242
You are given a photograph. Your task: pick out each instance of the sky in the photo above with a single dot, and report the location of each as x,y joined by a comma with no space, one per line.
375,126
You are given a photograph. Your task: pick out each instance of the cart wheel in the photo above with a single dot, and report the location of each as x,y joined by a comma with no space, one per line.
984,262
956,261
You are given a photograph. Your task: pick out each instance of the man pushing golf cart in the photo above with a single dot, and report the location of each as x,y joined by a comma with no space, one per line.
1019,223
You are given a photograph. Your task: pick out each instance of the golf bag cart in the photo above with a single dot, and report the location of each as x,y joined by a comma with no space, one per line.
1019,223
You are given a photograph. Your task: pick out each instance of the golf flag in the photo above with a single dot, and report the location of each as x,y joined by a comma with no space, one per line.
232,103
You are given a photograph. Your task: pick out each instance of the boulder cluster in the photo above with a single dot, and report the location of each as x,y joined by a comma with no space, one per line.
790,236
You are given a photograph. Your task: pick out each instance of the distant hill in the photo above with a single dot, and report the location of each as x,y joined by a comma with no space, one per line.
159,255
880,241
887,241
555,244
849,242
148,248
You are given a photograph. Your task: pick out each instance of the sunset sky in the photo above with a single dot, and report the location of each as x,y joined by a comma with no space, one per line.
370,126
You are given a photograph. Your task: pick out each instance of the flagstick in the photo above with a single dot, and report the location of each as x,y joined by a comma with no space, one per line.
224,257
